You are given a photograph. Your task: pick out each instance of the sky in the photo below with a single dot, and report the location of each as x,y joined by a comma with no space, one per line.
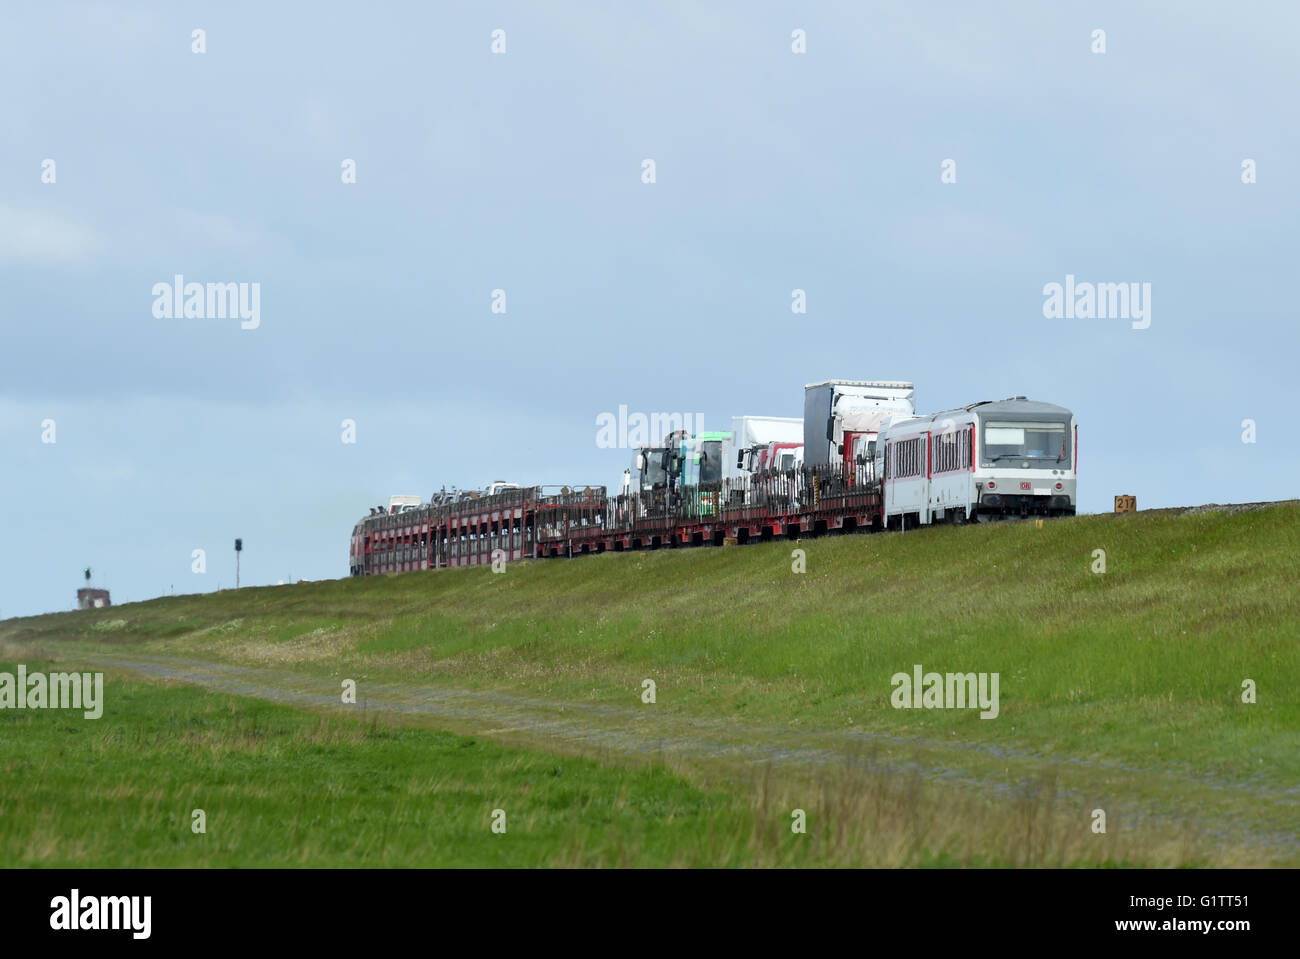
128,440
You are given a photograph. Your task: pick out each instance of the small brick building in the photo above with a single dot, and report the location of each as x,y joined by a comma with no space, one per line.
92,598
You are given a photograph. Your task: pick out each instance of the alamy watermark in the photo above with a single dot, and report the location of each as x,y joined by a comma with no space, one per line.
208,301
921,690
105,913
1101,301
630,430
84,691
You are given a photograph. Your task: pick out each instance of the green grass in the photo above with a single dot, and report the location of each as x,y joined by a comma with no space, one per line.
1099,664
280,787
1138,669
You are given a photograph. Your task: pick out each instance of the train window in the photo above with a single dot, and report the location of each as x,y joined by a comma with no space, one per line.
1004,435
951,451
904,458
1025,441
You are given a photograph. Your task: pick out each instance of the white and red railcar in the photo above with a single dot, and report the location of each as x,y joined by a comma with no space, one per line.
1010,458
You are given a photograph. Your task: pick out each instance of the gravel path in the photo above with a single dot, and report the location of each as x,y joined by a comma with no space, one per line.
650,731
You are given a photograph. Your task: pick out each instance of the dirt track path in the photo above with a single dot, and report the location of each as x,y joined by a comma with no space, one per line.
1257,815
654,732
646,730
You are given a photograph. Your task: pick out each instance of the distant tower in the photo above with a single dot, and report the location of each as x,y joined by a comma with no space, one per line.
88,598
239,548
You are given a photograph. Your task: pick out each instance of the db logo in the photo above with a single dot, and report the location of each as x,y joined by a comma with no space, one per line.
1026,486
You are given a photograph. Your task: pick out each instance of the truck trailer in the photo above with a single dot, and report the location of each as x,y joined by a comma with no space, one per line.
842,418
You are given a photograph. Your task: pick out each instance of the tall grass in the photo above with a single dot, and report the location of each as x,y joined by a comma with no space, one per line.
283,787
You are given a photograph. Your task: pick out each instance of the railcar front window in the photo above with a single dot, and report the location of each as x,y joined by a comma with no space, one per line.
1038,444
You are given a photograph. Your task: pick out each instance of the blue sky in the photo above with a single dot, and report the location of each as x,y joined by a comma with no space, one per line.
522,172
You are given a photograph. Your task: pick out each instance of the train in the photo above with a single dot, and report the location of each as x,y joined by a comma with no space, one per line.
868,462
986,461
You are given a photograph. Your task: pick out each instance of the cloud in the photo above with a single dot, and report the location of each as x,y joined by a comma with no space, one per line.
35,236
222,232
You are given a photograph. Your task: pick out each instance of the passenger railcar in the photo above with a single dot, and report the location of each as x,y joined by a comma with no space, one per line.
1010,458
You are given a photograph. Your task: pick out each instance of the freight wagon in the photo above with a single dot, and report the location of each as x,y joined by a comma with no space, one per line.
474,530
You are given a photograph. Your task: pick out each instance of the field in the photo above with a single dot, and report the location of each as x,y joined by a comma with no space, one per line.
1120,691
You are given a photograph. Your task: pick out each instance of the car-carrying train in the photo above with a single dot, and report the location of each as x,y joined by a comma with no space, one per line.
867,462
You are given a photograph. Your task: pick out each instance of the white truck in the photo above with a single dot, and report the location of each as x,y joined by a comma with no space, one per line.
842,418
760,444
764,442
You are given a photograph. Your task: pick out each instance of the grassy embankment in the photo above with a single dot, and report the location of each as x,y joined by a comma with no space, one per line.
1119,688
